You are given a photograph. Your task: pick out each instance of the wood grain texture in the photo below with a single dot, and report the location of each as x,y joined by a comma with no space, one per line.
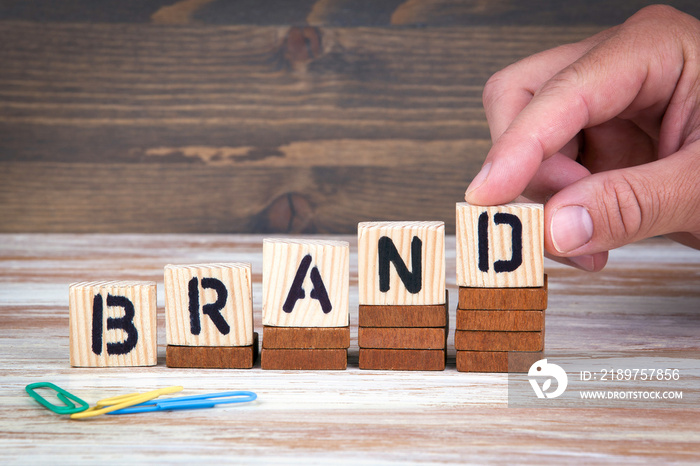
486,241
504,321
402,338
402,359
357,13
212,357
291,295
497,361
471,340
306,337
522,299
429,274
267,133
404,316
129,324
304,359
234,316
644,301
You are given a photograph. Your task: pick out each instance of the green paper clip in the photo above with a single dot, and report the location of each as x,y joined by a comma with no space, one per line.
61,394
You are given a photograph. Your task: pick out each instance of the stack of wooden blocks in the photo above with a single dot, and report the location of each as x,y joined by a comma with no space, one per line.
502,287
306,320
403,314
209,316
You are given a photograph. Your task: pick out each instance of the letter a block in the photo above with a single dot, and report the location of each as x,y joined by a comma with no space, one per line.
401,263
112,323
306,283
500,246
209,304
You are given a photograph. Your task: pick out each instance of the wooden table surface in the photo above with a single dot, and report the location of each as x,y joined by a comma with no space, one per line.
647,299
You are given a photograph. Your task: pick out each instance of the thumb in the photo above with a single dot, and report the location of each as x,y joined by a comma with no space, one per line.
610,209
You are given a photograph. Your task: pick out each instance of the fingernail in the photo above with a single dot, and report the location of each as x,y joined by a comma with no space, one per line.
479,179
585,262
572,227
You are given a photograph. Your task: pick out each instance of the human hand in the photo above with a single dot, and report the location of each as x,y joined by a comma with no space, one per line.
606,132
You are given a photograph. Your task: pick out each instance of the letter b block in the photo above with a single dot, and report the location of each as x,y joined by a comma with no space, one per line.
209,304
500,246
306,283
112,323
401,263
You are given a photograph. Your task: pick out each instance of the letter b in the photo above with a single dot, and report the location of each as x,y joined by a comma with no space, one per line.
113,324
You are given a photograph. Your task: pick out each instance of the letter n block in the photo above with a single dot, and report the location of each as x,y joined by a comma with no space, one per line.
112,323
306,283
500,246
209,305
401,263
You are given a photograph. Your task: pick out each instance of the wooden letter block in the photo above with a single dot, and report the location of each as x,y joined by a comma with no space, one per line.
405,316
113,323
402,338
209,305
212,357
503,321
500,246
306,337
467,340
304,359
496,361
516,299
402,359
401,263
306,283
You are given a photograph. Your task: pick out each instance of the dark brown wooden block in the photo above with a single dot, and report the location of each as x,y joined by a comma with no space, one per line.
304,359
504,321
503,298
212,357
404,316
497,361
402,359
467,340
402,338
306,337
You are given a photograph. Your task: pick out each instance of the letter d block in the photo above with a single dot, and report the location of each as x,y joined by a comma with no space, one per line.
305,283
401,263
500,246
209,304
112,323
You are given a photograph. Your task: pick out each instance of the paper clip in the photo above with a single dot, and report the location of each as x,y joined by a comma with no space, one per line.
123,401
189,402
64,396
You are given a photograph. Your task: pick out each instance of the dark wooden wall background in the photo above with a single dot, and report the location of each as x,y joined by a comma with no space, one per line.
256,116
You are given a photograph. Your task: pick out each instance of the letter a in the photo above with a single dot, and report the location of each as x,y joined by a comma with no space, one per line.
296,292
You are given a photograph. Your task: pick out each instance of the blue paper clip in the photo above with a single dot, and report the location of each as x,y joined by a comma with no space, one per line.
189,402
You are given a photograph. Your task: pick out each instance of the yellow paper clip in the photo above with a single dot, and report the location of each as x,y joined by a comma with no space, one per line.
124,401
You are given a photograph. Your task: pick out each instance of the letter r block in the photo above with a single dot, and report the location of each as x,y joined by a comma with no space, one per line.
305,283
401,263
209,304
112,323
500,246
